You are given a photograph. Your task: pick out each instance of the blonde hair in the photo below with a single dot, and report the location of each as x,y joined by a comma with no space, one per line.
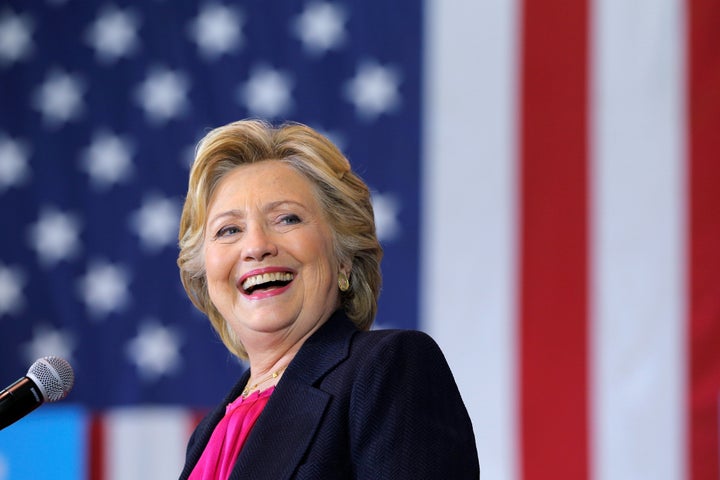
343,196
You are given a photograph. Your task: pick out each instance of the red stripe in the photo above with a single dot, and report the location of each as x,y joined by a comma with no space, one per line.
704,241
96,448
196,417
553,267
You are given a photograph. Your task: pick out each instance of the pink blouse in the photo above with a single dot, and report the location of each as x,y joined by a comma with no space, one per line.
228,438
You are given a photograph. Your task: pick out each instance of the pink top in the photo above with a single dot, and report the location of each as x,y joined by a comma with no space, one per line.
228,438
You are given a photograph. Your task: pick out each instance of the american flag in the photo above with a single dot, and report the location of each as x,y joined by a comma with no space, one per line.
547,190
102,104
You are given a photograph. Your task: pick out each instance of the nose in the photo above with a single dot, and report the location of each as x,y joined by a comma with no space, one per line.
258,244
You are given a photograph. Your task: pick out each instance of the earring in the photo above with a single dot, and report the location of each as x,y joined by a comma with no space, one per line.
343,282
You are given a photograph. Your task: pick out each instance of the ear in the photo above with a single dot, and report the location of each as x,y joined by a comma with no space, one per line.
346,268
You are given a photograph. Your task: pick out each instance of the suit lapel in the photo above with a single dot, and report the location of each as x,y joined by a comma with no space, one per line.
282,434
286,427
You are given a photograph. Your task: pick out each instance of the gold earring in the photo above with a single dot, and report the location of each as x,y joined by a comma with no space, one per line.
343,282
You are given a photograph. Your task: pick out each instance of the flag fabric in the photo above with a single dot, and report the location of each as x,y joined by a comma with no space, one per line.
571,190
102,106
545,178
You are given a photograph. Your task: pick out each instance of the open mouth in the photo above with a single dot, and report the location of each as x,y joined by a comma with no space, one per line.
266,281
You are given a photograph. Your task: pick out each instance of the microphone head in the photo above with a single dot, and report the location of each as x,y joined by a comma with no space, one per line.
54,377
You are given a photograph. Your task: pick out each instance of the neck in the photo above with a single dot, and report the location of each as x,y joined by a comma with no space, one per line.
267,376
265,365
268,353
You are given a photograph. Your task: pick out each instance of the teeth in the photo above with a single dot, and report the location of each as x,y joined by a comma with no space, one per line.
265,278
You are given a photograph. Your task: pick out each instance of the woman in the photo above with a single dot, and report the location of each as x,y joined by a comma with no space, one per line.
278,248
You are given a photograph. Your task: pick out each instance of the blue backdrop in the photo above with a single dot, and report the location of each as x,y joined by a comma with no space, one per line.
101,106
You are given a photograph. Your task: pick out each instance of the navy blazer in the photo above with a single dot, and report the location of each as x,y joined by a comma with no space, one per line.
356,405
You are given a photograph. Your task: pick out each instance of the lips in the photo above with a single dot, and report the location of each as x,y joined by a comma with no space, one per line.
265,281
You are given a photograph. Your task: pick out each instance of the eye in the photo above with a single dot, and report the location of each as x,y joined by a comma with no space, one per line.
290,219
227,230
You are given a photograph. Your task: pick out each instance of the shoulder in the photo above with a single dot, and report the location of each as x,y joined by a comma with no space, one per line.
404,402
371,359
392,337
397,355
338,347
402,343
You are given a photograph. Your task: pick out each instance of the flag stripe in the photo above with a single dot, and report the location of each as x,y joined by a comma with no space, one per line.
146,442
96,454
553,270
704,231
638,240
469,218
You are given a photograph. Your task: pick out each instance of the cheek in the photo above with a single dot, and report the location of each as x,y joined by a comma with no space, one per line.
216,264
324,257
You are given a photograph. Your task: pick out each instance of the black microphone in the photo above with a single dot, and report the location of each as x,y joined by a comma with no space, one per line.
49,379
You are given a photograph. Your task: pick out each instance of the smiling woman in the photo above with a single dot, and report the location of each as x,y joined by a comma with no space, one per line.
278,247
266,230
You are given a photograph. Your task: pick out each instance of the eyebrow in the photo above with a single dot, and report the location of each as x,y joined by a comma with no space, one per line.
266,208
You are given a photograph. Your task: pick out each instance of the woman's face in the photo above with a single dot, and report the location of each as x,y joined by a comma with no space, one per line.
271,271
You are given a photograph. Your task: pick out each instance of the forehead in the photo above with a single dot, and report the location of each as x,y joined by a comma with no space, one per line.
266,181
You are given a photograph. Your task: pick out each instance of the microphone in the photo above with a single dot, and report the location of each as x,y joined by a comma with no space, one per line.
49,379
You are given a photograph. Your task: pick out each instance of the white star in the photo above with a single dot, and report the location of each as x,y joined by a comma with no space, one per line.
217,30
113,34
266,93
373,90
104,289
155,350
386,207
107,159
11,283
13,163
163,95
321,27
15,37
55,236
59,98
48,341
156,223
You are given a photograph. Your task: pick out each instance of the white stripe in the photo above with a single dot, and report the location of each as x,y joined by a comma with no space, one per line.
146,443
638,253
468,242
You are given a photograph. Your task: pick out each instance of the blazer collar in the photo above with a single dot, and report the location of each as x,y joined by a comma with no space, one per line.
288,423
320,353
